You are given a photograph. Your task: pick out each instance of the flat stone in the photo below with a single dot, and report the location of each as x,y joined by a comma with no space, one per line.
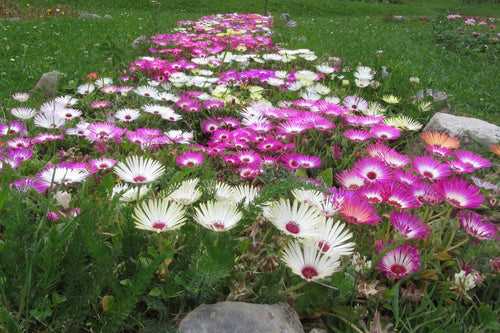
231,317
467,128
48,83
93,16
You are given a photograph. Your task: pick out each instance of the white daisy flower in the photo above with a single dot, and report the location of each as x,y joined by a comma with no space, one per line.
68,113
186,193
307,261
146,91
333,239
403,122
139,170
295,219
127,115
374,109
390,99
49,120
105,81
23,113
218,215
167,97
325,69
85,89
224,192
159,215
21,97
179,136
62,175
128,193
66,100
363,76
310,197
246,194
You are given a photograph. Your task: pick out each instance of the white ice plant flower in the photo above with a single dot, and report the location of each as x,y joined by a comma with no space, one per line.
159,215
139,170
334,239
307,261
57,175
129,193
218,215
295,218
363,76
186,193
23,113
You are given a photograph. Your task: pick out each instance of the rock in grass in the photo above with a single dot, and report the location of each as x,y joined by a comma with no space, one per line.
48,83
139,41
93,16
231,317
467,128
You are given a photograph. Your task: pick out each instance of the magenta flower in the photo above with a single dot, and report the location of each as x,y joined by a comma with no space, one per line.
372,170
356,210
400,195
385,132
430,169
472,160
102,163
350,179
459,193
357,135
400,262
190,159
409,226
477,226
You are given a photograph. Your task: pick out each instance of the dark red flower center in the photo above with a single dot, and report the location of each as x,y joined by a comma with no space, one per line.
427,174
294,164
309,272
292,227
371,175
103,166
159,225
218,225
139,179
398,269
190,164
323,246
394,203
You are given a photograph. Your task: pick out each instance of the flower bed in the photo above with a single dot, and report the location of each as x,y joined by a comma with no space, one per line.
243,166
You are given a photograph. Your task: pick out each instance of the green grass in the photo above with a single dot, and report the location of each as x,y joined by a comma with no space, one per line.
350,29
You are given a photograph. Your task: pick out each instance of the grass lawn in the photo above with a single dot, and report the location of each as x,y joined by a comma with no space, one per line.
351,30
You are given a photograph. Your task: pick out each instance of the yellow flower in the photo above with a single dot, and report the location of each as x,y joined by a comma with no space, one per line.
390,99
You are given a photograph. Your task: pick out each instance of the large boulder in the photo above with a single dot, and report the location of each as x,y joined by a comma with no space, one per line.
469,129
231,317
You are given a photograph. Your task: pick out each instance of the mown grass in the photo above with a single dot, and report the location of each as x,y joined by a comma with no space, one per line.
352,30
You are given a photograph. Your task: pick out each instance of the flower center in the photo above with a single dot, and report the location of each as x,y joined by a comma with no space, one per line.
371,175
427,174
294,164
159,225
323,246
139,179
103,166
394,203
398,269
218,225
309,272
292,227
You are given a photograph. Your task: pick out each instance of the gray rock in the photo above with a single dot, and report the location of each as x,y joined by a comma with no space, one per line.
231,317
141,40
93,16
48,83
465,127
318,330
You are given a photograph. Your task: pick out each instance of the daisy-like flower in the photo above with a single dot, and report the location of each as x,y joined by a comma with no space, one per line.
477,226
49,120
66,101
103,132
85,89
355,103
190,159
357,135
23,113
102,163
459,193
147,91
26,184
356,210
372,170
186,193
307,261
399,195
21,97
333,239
295,218
374,109
495,149
390,99
440,139
68,113
218,215
246,194
363,76
127,115
139,170
310,197
159,215
400,262
350,179
384,132
430,169
409,226
129,193
61,175
472,160
403,122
